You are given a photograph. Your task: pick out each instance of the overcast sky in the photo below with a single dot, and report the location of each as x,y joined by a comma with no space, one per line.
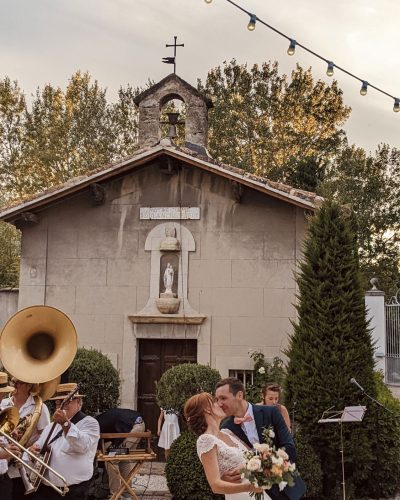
123,41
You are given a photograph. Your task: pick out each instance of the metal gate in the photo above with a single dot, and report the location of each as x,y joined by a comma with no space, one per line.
392,310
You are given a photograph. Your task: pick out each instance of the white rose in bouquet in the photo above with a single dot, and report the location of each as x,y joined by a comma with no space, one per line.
254,464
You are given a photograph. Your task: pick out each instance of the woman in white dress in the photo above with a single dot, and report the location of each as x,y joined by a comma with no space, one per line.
169,431
220,451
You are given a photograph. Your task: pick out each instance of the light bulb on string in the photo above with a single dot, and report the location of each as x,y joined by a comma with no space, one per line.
292,47
364,88
252,23
208,1
329,71
396,107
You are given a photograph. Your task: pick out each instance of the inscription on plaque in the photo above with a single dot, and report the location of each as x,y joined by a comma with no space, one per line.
162,213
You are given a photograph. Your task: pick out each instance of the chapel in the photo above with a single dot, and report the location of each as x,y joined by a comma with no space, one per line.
166,257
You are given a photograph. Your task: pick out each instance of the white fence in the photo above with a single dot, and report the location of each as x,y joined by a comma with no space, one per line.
392,314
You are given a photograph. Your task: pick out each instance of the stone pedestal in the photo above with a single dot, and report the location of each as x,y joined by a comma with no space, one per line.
375,305
168,305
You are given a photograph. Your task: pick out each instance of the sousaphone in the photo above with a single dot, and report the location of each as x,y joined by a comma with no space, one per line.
38,344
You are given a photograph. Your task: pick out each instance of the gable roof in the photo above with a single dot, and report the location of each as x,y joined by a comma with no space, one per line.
39,201
172,78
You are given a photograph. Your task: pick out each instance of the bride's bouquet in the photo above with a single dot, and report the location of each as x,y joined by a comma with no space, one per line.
267,465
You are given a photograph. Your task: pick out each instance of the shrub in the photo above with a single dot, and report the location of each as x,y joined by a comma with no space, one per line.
184,472
384,429
181,382
309,467
98,378
265,372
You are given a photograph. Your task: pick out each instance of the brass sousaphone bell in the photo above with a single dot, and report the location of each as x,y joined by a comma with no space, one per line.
38,344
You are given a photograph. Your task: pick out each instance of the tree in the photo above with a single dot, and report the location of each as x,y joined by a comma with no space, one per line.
12,138
330,345
10,248
66,133
69,133
370,185
266,124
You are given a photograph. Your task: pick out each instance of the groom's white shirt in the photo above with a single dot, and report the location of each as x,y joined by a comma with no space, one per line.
249,428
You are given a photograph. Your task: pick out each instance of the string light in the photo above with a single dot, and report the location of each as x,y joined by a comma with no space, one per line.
329,71
292,48
364,88
252,23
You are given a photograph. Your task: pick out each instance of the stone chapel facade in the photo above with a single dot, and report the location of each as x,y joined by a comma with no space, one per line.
167,256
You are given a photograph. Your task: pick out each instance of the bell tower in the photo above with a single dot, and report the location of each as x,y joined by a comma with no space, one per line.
151,101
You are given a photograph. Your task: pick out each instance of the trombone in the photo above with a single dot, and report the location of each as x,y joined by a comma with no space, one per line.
8,420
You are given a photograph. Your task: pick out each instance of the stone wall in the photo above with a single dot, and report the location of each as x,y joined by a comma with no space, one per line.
8,304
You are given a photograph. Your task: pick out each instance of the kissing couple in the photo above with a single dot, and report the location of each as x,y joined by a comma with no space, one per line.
221,447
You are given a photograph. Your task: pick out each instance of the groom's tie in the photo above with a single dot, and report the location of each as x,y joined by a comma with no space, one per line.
242,420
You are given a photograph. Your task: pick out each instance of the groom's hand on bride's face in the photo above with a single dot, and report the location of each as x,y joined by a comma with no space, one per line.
233,476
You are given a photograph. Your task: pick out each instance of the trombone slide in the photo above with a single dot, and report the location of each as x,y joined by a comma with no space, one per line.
62,491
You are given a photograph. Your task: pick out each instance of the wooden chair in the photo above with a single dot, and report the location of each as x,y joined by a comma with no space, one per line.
135,457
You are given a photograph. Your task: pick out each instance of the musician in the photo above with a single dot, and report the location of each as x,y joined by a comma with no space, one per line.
5,480
73,444
120,420
28,404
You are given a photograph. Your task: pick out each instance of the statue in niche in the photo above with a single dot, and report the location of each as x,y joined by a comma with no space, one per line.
169,272
168,278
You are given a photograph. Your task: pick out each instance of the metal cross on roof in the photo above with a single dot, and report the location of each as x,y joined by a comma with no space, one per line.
172,60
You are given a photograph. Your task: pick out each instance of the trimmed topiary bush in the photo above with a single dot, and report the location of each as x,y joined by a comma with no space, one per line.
184,472
181,382
98,378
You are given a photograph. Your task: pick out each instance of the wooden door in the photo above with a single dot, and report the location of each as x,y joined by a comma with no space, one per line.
155,357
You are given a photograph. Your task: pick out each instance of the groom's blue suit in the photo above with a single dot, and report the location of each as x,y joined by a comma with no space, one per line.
264,416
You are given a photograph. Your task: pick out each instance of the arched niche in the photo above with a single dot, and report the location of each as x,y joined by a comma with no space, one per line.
150,313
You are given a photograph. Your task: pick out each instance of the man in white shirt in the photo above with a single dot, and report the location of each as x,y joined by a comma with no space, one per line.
5,480
26,401
73,444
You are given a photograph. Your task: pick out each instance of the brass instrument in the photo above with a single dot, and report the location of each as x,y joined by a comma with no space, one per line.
37,345
27,424
8,421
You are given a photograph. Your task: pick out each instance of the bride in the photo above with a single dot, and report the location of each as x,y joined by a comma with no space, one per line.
220,451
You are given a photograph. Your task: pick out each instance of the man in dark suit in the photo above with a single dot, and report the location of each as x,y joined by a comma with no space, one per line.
247,422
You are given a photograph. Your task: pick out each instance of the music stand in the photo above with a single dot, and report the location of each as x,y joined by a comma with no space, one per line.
349,414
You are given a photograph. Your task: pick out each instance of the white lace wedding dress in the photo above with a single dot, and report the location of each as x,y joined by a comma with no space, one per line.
229,457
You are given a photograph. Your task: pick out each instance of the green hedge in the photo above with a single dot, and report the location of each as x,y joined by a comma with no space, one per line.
181,382
98,378
309,466
184,472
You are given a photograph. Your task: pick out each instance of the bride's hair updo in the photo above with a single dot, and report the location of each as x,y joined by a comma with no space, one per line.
195,409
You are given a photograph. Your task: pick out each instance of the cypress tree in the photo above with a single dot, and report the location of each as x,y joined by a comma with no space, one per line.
331,344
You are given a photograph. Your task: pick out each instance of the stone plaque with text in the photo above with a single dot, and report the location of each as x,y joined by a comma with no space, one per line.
162,213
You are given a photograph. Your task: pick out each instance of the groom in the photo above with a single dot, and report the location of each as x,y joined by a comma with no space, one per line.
247,422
